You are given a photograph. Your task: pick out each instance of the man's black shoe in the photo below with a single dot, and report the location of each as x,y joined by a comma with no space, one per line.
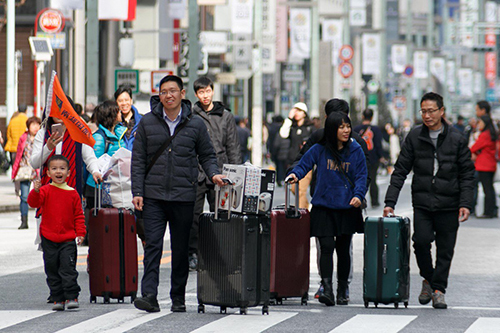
148,304
178,306
193,262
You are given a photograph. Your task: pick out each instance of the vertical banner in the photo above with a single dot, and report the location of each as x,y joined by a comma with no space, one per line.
420,64
398,58
357,13
268,63
438,69
371,54
281,33
332,32
300,33
177,9
477,82
241,16
490,58
450,76
469,15
122,10
242,51
465,82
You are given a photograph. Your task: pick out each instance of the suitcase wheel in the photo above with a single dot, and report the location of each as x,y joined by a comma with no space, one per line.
376,304
223,310
243,310
201,308
265,310
406,304
396,305
279,301
367,304
93,299
106,298
304,299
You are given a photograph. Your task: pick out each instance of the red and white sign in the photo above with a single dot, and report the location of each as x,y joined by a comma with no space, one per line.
346,69
490,58
399,103
156,77
120,10
346,52
51,21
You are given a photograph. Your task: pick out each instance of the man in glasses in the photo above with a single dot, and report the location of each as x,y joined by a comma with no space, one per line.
164,182
442,193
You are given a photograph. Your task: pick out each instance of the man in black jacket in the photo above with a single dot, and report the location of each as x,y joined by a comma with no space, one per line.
222,131
442,193
168,191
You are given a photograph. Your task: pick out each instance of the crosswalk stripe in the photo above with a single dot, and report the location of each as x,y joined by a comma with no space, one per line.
115,321
485,325
11,318
374,324
253,322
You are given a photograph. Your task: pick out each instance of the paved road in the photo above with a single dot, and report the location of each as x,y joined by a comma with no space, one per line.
473,295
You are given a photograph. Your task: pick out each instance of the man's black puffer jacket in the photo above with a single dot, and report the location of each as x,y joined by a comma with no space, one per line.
174,177
451,187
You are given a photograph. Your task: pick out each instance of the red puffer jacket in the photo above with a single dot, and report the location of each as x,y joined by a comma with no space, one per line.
485,149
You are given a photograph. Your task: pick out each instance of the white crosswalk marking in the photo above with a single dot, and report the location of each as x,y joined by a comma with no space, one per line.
11,318
253,322
116,321
374,324
485,325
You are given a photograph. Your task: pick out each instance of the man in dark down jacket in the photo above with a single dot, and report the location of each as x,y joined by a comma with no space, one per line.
168,191
222,130
442,193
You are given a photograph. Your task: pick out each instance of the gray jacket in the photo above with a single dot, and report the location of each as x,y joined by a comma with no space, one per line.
174,175
222,130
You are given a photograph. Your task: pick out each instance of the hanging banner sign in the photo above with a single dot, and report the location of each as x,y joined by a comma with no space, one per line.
450,76
371,54
281,33
300,33
241,16
420,64
332,32
465,82
438,69
398,58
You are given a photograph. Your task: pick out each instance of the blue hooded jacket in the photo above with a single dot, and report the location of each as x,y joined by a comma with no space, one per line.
332,188
129,142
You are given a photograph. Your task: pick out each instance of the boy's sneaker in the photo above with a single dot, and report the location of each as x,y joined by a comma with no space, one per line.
438,300
72,304
426,293
319,292
58,306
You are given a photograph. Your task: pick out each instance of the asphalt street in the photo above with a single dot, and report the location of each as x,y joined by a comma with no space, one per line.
473,294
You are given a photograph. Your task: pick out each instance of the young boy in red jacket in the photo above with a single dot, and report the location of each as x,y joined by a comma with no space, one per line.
62,222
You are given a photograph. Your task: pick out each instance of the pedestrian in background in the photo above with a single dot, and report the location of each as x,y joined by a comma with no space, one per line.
16,128
62,223
484,156
273,131
81,112
394,147
167,192
224,136
244,138
336,214
373,138
297,128
22,171
442,193
459,125
130,117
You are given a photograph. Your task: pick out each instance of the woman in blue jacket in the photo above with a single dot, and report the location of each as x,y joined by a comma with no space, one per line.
336,214
130,116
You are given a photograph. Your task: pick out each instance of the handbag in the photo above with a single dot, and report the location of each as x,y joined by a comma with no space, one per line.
24,173
364,204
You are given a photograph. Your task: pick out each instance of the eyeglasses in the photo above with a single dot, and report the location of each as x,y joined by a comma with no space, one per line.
422,112
169,92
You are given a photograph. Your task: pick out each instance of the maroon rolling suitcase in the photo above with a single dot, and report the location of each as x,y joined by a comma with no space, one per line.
112,257
290,246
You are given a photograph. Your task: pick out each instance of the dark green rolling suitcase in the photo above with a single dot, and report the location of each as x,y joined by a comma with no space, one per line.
386,273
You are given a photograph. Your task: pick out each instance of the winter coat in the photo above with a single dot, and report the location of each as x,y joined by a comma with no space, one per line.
222,131
335,191
448,188
16,128
485,149
129,142
174,176
297,135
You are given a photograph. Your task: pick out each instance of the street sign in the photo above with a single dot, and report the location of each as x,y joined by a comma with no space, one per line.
293,75
51,21
128,77
156,77
373,86
408,71
372,99
346,52
399,103
57,41
346,69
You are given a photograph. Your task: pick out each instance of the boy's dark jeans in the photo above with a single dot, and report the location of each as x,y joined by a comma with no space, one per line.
60,267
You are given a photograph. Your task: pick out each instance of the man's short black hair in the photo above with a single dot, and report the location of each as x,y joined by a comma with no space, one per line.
58,158
432,96
22,108
368,114
336,105
484,105
174,78
202,83
121,89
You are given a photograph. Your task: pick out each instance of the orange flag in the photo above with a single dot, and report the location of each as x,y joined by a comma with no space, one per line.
61,108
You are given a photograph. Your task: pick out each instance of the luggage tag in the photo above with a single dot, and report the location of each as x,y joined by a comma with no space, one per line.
291,213
226,200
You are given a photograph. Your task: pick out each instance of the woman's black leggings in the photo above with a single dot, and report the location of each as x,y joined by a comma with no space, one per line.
342,244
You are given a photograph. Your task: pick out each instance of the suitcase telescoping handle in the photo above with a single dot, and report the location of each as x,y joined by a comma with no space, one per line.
97,197
287,198
229,199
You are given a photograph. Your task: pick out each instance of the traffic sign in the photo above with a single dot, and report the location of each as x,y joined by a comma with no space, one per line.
346,69
373,86
399,103
128,77
346,52
408,71
51,20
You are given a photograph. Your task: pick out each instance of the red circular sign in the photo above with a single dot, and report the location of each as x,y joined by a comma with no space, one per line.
51,21
346,69
346,52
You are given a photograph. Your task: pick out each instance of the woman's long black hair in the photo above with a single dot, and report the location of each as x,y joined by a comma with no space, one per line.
488,125
330,138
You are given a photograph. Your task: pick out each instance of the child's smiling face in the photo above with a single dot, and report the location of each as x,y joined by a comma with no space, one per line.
58,171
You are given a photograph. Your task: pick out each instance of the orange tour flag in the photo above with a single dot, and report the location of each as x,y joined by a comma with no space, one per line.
61,108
